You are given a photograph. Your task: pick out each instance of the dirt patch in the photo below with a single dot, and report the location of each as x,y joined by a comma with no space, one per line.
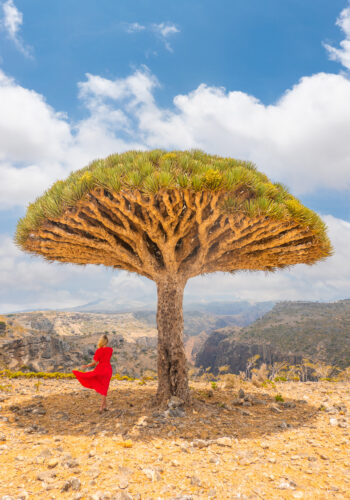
55,444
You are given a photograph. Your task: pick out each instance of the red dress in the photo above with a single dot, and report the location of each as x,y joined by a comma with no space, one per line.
99,378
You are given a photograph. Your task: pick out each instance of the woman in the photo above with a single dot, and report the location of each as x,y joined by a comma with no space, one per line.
99,378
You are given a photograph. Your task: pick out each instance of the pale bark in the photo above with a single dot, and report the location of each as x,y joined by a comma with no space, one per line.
172,365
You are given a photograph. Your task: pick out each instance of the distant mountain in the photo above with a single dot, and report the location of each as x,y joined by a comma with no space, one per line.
199,316
115,306
290,331
248,310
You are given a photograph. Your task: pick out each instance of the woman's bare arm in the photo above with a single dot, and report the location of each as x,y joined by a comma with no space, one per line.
93,363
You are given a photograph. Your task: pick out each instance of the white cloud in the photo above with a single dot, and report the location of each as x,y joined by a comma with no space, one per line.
42,145
134,27
11,23
164,31
137,87
34,140
19,186
298,140
30,130
13,18
342,54
30,283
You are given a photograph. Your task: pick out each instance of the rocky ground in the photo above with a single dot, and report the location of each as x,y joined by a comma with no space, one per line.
228,444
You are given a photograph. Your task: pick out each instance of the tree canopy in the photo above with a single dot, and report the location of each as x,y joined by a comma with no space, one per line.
207,213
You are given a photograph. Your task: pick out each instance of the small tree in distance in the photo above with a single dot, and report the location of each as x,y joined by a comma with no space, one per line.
170,216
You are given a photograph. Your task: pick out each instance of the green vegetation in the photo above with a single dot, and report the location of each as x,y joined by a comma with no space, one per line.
279,398
57,375
5,388
44,375
249,191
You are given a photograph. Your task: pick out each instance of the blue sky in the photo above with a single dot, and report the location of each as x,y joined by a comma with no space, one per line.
262,80
261,47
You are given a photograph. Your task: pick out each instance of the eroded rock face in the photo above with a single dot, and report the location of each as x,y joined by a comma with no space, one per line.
42,324
2,328
38,353
219,350
34,344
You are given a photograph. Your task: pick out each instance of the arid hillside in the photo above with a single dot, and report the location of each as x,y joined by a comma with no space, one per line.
290,332
216,334
57,341
60,341
81,324
313,329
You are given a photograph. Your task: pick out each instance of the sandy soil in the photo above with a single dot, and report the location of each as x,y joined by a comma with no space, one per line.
54,443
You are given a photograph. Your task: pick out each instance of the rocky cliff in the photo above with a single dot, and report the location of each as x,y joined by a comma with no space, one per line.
220,349
32,349
60,341
320,331
289,332
38,353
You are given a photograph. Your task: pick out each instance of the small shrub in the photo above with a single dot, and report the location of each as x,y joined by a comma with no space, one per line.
193,373
117,376
259,375
127,444
5,388
230,380
207,376
279,398
45,375
345,374
224,368
268,383
213,179
214,385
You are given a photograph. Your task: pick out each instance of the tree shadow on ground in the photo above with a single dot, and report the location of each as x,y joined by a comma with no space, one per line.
132,414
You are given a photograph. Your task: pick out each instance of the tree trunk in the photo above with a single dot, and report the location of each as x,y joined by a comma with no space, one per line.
172,364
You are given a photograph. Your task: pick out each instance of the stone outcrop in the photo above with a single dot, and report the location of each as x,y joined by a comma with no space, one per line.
38,353
219,350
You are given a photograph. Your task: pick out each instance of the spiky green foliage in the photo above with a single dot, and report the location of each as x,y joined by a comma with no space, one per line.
248,191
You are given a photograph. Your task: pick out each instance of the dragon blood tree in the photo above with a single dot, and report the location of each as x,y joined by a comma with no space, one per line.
170,217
